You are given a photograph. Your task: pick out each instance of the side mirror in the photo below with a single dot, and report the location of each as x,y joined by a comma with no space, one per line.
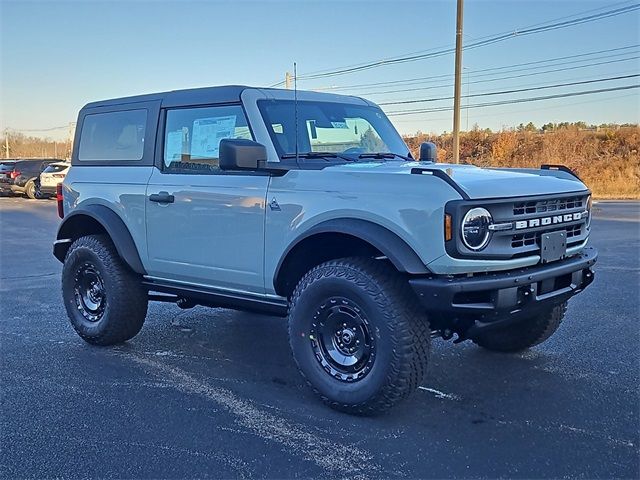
428,152
241,154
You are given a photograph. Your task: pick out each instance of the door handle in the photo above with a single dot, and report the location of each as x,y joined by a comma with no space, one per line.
161,197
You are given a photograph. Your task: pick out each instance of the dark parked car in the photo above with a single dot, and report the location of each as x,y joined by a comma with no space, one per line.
21,180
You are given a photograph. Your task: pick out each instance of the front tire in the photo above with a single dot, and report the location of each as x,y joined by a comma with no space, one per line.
524,334
358,336
105,301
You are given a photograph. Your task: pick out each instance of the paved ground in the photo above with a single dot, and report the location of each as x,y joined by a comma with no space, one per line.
214,393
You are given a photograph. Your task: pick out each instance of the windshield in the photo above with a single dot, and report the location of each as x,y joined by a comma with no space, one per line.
339,128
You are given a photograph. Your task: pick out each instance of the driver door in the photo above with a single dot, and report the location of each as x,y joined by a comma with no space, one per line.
205,226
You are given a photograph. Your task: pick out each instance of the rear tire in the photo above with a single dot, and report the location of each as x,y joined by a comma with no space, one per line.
358,335
523,334
30,190
105,301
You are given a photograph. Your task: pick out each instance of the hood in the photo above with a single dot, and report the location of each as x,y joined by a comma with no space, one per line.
481,183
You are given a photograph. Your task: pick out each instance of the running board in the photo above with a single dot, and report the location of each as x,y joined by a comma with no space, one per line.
211,297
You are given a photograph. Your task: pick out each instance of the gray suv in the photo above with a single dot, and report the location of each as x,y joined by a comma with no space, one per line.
310,206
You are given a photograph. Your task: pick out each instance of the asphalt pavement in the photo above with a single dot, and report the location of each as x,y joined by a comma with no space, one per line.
215,393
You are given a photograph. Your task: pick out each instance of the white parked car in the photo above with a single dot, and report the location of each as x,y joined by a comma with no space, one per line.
50,178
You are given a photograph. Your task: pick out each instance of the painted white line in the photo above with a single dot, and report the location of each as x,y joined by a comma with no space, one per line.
439,394
337,459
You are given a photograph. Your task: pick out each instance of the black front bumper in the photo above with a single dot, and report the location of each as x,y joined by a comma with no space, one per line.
501,294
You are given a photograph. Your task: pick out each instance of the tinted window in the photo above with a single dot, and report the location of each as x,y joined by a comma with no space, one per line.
29,166
54,168
113,136
192,137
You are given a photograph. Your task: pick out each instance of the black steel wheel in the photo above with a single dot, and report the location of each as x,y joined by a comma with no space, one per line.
358,335
342,339
105,301
90,293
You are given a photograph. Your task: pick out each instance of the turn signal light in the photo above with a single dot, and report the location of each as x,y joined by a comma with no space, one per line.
447,227
59,199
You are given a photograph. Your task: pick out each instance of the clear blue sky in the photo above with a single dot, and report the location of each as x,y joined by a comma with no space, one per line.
56,55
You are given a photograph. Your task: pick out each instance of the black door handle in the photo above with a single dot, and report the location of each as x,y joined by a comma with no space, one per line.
161,197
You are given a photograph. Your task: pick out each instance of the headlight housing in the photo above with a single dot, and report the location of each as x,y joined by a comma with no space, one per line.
475,228
589,205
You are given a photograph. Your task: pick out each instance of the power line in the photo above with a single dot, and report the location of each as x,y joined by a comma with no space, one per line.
418,80
38,129
514,101
519,90
564,105
480,43
492,35
404,90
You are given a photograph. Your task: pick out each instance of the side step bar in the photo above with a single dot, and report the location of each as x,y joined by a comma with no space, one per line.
211,297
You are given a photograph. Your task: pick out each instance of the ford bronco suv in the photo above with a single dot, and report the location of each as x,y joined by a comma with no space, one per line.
310,206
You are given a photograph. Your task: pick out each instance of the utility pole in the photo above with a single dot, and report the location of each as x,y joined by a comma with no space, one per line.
458,86
287,81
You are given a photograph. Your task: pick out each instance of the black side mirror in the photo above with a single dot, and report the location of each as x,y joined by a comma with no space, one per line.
428,152
241,154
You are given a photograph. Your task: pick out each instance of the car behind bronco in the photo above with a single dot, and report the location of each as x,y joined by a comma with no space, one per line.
311,207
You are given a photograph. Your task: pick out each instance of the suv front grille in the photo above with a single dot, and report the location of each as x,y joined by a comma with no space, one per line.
533,238
547,206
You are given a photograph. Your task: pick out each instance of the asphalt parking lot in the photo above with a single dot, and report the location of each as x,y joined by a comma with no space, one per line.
214,393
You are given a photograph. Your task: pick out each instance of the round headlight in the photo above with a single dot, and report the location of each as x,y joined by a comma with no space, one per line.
475,228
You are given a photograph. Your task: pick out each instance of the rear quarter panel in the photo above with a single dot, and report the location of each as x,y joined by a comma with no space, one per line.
122,189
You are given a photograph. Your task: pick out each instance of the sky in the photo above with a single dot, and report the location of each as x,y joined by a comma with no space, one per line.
58,55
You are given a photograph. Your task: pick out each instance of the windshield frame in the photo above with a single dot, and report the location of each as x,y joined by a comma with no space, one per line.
262,103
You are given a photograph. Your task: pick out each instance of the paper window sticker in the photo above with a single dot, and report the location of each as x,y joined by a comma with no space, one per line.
173,147
207,133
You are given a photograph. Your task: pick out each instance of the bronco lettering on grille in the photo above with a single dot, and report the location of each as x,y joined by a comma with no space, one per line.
553,220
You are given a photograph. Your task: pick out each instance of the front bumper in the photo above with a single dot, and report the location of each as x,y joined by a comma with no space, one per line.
501,294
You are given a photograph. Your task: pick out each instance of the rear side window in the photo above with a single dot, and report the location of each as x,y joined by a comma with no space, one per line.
54,168
192,137
113,136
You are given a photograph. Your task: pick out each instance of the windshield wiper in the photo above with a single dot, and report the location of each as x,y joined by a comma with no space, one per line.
318,155
383,155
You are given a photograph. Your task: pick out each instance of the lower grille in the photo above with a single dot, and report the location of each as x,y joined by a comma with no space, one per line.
533,238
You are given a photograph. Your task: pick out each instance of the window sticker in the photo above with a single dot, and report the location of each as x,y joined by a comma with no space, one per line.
207,133
173,149
339,125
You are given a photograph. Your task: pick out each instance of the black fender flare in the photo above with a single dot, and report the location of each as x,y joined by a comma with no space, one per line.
111,222
399,253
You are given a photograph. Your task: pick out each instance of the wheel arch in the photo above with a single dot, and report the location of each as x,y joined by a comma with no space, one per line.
97,219
339,238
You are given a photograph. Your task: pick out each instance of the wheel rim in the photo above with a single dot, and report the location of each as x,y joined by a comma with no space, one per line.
89,292
342,340
32,190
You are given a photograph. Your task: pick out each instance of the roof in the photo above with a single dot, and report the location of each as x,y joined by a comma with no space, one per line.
196,96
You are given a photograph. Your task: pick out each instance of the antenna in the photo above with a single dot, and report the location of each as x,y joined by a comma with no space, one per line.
295,104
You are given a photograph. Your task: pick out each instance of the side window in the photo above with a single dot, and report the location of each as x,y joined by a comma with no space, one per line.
113,136
192,137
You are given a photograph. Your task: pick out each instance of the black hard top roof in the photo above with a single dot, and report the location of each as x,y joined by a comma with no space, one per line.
223,94
193,96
